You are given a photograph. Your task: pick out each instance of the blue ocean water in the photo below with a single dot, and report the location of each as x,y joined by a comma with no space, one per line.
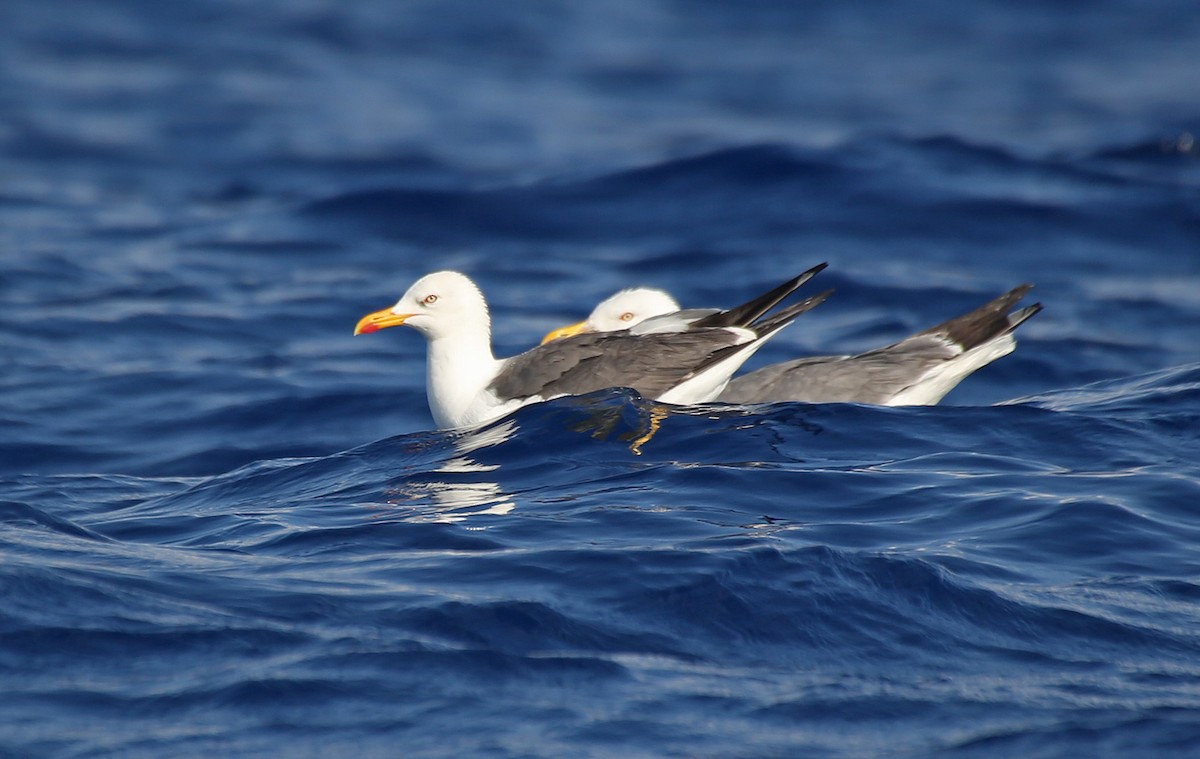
228,526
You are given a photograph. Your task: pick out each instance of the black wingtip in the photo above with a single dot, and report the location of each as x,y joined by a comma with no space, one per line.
1016,318
785,316
747,313
988,321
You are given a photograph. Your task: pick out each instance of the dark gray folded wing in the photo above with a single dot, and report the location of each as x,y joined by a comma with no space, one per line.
879,375
650,364
873,377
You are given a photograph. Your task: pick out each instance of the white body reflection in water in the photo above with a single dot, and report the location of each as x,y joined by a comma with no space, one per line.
457,501
631,423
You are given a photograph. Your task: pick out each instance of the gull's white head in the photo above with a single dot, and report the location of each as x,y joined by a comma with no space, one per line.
438,305
628,307
620,311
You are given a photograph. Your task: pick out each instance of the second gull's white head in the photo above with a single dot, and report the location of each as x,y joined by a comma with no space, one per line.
620,311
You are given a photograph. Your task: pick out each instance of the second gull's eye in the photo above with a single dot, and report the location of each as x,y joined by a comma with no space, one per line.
626,316
429,300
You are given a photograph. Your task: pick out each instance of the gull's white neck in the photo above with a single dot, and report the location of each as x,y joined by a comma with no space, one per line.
458,367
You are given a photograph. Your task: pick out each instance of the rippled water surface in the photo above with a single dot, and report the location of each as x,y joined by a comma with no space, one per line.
228,528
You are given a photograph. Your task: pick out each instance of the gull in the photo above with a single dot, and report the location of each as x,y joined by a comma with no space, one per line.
681,364
917,371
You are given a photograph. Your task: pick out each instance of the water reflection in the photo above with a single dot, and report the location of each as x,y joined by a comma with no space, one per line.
456,501
467,483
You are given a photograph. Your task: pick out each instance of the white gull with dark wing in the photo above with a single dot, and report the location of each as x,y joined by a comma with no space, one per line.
466,384
917,371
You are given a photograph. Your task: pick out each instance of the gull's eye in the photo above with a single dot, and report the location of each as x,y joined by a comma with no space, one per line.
429,300
626,316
